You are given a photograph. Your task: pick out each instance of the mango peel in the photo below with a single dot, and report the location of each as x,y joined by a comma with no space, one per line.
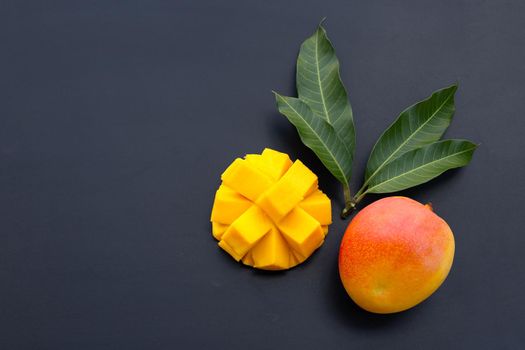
268,212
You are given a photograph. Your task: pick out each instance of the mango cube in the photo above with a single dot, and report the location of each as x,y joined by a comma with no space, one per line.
296,257
318,206
246,179
229,249
228,205
282,197
302,232
271,253
217,229
278,161
268,212
244,232
279,200
248,259
302,178
270,162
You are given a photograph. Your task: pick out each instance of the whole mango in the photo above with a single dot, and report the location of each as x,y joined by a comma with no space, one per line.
395,253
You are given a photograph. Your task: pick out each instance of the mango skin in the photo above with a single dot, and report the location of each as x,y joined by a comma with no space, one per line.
395,253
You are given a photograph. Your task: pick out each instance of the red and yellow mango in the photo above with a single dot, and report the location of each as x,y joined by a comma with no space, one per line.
395,253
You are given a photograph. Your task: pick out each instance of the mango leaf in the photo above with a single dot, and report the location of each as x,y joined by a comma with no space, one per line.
318,135
421,165
418,125
319,85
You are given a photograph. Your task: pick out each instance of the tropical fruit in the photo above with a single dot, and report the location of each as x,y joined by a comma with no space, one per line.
395,253
268,212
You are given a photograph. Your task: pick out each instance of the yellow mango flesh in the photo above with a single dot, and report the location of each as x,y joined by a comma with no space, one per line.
228,205
301,231
271,253
244,232
291,189
217,229
272,163
245,178
268,212
318,206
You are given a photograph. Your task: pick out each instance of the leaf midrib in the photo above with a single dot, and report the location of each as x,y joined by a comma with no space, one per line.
321,140
406,141
419,167
319,75
319,80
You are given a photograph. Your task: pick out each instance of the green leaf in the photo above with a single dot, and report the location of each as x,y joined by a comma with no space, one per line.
421,165
418,125
319,85
318,135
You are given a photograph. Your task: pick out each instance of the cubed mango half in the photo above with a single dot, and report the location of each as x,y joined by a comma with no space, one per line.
268,212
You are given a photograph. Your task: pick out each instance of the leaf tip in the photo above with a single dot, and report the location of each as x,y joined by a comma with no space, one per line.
454,86
276,95
320,28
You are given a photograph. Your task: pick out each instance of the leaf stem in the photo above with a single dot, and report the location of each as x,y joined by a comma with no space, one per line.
359,197
349,203
348,194
360,192
364,186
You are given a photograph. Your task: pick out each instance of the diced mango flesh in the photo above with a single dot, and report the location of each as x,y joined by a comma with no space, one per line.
272,163
244,232
246,178
230,250
268,213
228,205
289,191
302,232
318,206
217,229
271,253
279,162
296,257
248,259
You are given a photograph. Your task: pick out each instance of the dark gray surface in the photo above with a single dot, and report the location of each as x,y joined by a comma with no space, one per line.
117,118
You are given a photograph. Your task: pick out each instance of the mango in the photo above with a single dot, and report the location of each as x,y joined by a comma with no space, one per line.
268,212
272,163
302,232
228,205
245,178
271,253
217,229
244,232
318,206
395,253
288,192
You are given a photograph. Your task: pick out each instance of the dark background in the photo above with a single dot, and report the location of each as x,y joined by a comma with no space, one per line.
118,117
